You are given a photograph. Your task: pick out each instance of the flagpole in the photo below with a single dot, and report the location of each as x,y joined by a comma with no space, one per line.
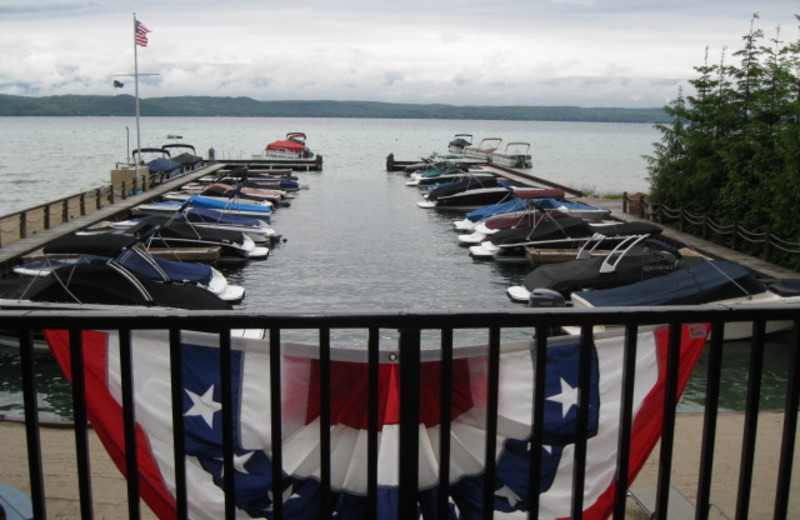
136,91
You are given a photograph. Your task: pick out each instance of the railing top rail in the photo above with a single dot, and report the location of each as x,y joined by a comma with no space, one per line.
166,318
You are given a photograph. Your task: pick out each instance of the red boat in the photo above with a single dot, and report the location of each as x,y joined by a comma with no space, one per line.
292,147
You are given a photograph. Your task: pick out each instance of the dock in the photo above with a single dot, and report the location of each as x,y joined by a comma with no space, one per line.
19,248
759,267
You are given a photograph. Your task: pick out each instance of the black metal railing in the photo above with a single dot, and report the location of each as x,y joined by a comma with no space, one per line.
409,335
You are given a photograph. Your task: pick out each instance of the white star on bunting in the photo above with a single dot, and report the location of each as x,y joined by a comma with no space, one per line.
204,406
568,397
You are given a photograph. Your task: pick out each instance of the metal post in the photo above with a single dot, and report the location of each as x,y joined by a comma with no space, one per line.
409,423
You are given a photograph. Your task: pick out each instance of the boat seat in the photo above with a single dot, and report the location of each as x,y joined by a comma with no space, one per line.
786,287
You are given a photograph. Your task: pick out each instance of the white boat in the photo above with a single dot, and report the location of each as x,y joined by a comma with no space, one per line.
484,149
130,254
710,282
516,155
459,142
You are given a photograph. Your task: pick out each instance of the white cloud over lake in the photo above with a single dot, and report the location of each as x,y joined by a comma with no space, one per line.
557,52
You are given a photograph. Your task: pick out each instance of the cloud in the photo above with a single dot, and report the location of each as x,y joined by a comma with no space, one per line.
581,52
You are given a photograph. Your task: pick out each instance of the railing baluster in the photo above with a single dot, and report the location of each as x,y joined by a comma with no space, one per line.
275,421
582,423
491,423
668,426
373,367
445,409
81,423
537,433
409,423
325,422
178,430
228,447
32,423
751,419
625,420
789,428
710,420
129,422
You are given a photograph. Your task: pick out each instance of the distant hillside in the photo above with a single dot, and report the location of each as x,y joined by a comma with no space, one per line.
200,106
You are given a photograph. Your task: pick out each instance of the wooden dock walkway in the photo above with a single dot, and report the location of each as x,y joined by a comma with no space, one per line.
758,266
13,251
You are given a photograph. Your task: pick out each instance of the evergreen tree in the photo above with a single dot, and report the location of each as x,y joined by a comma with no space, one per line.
732,150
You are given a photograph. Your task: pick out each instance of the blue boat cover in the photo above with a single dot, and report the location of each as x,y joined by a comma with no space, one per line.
205,202
555,204
162,165
495,209
213,216
176,271
706,282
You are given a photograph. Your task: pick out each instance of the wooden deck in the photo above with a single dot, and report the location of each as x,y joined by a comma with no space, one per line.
10,253
758,266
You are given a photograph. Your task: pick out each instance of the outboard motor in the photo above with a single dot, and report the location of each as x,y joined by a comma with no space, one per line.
546,298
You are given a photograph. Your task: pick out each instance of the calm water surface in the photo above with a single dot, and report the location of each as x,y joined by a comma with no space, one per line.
355,239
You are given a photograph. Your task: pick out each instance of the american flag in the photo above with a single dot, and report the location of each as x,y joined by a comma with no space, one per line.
140,34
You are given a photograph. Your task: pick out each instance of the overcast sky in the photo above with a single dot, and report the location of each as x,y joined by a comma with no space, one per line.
628,53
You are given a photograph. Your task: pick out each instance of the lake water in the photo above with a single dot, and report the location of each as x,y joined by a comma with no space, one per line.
355,239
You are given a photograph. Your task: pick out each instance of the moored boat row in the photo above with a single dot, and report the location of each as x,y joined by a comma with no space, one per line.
580,255
163,253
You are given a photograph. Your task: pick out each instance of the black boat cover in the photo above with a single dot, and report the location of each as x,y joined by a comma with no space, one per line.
107,285
103,244
469,183
569,227
554,229
705,282
639,263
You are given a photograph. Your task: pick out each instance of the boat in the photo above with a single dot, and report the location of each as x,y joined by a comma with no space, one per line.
634,259
566,231
292,147
236,193
183,154
511,220
710,282
161,166
163,232
459,142
258,230
516,155
484,149
471,218
129,252
447,172
476,195
576,209
168,208
107,284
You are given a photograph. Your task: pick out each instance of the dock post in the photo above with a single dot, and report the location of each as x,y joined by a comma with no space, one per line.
23,225
390,162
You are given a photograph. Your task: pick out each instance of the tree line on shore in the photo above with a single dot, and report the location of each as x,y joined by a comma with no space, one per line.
209,106
732,148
